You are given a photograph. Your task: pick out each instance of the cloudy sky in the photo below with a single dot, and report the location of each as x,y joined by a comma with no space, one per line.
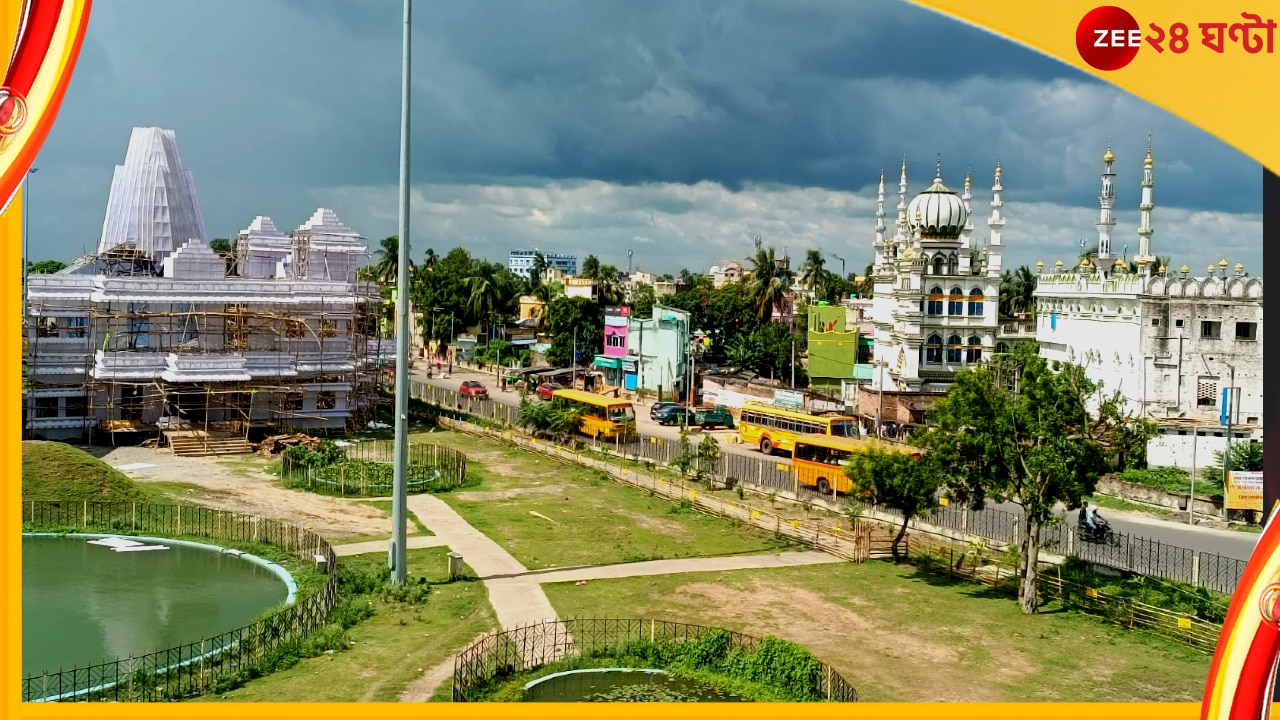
677,129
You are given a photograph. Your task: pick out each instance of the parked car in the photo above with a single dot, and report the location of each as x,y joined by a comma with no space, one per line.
660,407
714,416
474,390
547,389
676,415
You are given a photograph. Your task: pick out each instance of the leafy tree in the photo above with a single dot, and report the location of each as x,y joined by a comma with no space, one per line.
386,266
564,316
767,351
1018,429
1245,457
538,274
590,268
609,288
549,420
642,302
769,282
1017,291
45,267
226,249
896,480
813,273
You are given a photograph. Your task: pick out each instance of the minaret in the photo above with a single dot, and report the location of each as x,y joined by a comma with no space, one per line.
903,229
966,237
1145,259
1106,203
996,224
880,227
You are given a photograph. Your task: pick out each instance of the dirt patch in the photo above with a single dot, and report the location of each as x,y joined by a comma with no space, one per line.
230,484
865,652
509,494
670,528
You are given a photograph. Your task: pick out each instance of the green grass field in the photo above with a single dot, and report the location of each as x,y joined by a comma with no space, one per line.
391,650
58,471
548,513
898,634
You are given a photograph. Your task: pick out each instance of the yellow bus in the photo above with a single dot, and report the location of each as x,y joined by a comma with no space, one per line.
602,417
773,429
818,461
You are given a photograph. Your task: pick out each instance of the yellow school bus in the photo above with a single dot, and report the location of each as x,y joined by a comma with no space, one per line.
602,417
818,461
773,429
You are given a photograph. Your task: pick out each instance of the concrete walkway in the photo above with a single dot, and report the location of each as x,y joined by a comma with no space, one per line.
413,542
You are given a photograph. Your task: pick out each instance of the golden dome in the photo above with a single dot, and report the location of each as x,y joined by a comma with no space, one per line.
1148,162
1108,157
1239,267
1039,263
1163,269
1084,262
908,254
1058,264
999,170
1186,269
1222,263
1119,262
1211,268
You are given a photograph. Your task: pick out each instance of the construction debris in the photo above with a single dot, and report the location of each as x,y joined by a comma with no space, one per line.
277,444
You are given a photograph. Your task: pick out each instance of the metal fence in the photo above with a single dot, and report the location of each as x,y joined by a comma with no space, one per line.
1127,553
502,655
368,470
199,666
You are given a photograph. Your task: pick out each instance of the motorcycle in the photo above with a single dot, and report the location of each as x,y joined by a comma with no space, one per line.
1101,534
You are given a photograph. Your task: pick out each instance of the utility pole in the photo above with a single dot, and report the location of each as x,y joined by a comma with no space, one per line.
399,505
880,400
793,364
1228,403
573,382
26,234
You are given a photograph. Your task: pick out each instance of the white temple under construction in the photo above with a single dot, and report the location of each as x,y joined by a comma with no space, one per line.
157,334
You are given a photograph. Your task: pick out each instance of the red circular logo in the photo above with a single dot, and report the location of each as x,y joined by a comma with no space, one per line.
1108,38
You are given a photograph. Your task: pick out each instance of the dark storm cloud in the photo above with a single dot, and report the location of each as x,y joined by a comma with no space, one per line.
274,100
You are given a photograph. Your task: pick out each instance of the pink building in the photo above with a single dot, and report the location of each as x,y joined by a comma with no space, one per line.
611,361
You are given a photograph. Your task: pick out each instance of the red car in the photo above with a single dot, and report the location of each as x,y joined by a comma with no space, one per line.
547,389
474,390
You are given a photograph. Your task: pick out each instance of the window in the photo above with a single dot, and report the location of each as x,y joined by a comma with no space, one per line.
939,266
47,407
1207,391
955,304
933,352
973,353
77,326
1210,329
953,264
953,349
1002,347
1155,322
291,402
1177,323
47,327
614,341
1246,331
328,329
326,400
935,301
76,407
975,301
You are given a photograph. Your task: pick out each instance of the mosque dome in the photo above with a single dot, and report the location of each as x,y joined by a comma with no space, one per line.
937,213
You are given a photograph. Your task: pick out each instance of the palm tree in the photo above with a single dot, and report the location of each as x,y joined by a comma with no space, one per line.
769,281
590,268
1163,261
609,289
1017,291
813,273
539,271
485,296
386,268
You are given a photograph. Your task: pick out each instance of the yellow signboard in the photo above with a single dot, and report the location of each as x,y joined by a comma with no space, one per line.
1244,491
1184,623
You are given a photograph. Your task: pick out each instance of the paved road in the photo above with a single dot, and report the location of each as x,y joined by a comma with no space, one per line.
1229,543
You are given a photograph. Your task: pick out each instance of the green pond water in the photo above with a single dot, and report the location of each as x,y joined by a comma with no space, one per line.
619,685
85,604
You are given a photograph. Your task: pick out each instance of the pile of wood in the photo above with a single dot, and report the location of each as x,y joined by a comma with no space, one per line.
277,444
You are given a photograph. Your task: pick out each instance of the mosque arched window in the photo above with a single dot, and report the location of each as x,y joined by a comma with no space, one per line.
954,349
975,301
955,301
939,265
935,301
973,353
1002,347
933,349
953,264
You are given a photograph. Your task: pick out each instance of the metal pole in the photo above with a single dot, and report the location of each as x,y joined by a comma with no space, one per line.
573,378
880,401
399,505
1195,446
1226,452
26,233
793,364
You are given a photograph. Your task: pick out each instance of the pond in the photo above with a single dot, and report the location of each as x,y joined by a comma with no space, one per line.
84,604
622,685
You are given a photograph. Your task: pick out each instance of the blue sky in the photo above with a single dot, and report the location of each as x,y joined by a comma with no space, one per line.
678,129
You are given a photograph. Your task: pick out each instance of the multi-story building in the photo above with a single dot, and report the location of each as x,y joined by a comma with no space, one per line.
1169,341
936,300
151,334
659,347
833,346
610,361
730,272
580,287
520,262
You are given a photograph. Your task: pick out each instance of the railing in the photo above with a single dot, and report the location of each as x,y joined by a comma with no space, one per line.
196,667
368,470
1129,553
504,654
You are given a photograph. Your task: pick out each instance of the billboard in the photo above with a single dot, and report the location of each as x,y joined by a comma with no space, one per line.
1244,491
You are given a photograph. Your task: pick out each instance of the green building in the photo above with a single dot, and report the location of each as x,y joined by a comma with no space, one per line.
833,346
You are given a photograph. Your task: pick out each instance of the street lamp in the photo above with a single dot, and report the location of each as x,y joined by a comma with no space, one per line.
398,556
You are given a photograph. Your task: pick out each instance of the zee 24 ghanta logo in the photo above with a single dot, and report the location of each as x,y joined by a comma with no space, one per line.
1109,38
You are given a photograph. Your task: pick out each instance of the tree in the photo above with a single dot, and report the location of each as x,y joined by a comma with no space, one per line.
769,282
1017,291
549,420
590,268
386,266
46,267
813,273
768,351
642,302
901,481
1018,429
226,249
567,317
609,289
538,274
1245,457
